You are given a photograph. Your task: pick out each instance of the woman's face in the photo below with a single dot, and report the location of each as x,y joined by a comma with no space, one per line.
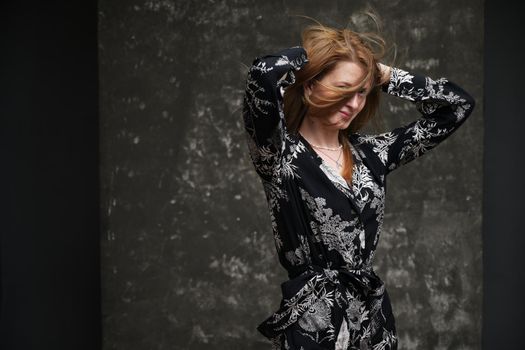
344,74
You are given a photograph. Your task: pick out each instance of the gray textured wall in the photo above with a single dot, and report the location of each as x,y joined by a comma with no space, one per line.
188,257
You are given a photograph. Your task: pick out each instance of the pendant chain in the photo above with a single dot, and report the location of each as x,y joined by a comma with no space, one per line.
339,148
339,165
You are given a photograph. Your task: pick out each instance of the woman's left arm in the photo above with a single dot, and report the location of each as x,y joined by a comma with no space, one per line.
443,105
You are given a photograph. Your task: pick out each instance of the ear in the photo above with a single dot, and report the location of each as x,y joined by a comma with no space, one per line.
308,88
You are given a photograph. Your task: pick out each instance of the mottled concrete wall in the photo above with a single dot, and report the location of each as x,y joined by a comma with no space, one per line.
188,257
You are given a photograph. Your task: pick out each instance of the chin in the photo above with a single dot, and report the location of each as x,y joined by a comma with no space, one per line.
341,123
344,124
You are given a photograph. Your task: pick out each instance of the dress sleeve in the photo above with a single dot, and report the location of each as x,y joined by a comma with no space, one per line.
443,105
263,111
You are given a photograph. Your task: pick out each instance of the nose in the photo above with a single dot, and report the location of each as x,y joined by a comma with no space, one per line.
353,102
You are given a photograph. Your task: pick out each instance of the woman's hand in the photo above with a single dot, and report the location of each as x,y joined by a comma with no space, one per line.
385,73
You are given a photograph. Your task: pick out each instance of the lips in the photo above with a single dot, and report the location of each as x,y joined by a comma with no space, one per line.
345,114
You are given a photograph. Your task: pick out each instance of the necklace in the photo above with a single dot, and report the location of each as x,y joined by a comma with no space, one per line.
339,165
327,148
320,148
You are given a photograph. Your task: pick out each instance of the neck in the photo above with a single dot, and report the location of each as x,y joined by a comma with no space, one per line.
319,134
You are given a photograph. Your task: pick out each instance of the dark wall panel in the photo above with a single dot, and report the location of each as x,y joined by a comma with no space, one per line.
188,257
49,234
504,169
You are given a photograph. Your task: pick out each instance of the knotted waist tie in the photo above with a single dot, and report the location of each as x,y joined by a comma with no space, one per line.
303,290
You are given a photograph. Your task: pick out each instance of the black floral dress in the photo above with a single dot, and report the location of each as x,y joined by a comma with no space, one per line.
326,230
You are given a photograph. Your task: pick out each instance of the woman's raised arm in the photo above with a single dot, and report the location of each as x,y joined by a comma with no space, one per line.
263,110
443,105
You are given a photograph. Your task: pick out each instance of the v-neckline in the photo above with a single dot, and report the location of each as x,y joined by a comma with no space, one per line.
337,181
327,168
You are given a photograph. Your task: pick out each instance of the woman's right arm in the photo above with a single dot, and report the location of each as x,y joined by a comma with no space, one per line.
263,109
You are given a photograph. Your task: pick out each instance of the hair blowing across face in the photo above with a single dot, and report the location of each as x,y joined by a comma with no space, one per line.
325,46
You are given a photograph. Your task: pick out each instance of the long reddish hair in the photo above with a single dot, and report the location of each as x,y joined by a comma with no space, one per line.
325,46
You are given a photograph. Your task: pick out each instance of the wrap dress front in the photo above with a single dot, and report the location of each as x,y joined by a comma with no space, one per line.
326,230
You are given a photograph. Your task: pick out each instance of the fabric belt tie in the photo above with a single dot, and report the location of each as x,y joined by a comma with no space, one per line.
303,290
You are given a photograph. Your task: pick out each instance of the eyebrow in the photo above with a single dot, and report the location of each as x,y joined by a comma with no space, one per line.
344,83
351,85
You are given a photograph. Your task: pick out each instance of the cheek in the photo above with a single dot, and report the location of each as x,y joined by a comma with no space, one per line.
362,103
322,93
321,97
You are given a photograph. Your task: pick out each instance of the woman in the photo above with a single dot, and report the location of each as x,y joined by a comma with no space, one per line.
325,182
